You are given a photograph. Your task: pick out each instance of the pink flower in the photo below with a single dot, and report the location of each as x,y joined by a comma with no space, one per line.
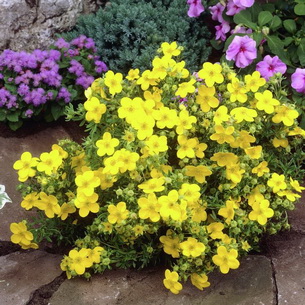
233,8
195,9
242,50
222,30
241,30
244,3
298,80
269,66
216,12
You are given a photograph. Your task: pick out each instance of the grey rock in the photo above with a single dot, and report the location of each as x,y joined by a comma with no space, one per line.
21,273
31,24
251,284
297,217
11,150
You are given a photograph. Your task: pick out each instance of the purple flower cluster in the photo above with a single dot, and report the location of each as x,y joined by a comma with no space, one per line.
269,66
30,80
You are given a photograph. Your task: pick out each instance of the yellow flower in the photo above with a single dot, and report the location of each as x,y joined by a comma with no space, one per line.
254,81
21,235
29,201
280,142
147,79
113,82
186,147
199,149
228,211
185,88
156,144
171,245
289,195
243,114
254,152
199,172
133,74
297,131
106,145
62,153
25,166
112,165
79,260
261,169
49,162
223,135
225,259
200,280
277,182
127,160
171,281
237,90
48,204
211,74
138,230
261,212
86,182
144,125
190,193
130,108
65,210
285,114
149,207
95,110
215,230
206,98
165,117
94,255
245,246
221,115
152,185
117,213
234,173
192,247
266,102
243,140
86,204
296,185
170,49
185,121
170,206
224,159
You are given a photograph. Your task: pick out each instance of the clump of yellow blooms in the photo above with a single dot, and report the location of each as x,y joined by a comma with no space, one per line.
195,167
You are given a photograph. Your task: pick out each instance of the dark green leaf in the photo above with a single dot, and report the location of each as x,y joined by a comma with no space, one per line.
2,115
56,111
258,37
216,44
288,40
264,18
299,9
15,125
301,52
13,116
277,47
290,25
275,23
244,17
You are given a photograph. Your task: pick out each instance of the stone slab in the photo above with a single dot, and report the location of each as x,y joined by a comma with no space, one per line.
288,257
297,216
251,284
11,150
21,273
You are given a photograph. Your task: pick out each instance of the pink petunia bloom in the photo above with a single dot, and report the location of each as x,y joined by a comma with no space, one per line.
222,30
216,12
269,66
233,8
298,80
244,3
195,9
242,50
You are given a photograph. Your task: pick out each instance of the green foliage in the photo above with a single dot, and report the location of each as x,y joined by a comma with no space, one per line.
127,33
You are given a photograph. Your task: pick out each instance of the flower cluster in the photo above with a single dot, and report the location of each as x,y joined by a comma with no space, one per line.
29,82
196,182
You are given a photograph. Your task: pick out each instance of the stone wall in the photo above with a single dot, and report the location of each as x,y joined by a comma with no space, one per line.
30,24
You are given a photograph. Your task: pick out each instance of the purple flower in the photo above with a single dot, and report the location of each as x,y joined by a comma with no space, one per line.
222,30
61,44
216,12
233,8
242,50
85,81
100,66
64,94
195,9
298,80
244,3
241,30
29,113
269,66
23,89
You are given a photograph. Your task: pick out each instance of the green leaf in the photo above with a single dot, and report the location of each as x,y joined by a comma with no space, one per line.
301,52
264,18
277,47
299,9
275,23
216,45
290,25
56,111
15,125
244,17
2,115
13,116
288,40
258,37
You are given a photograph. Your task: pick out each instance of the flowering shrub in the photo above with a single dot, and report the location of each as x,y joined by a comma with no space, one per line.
186,169
43,82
